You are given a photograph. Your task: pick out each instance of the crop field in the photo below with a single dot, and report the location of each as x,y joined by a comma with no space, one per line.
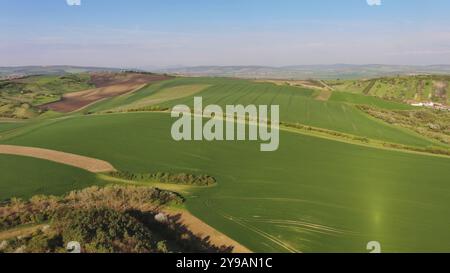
297,105
313,195
359,99
24,177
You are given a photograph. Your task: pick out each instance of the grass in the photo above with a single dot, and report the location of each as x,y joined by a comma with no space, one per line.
166,94
297,105
368,100
313,195
24,177
6,126
427,122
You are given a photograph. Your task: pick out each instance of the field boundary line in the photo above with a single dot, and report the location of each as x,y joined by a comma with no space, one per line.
82,162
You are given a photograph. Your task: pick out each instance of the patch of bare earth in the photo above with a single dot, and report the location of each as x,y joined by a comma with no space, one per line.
324,95
108,85
86,163
206,232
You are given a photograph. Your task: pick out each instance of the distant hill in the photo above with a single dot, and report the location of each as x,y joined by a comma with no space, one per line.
17,71
301,72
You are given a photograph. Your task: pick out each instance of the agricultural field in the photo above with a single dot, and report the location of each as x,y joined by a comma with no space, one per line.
6,126
297,105
359,99
314,195
29,97
24,177
37,90
224,127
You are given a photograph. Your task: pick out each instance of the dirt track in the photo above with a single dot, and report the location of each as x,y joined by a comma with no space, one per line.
203,230
86,163
108,85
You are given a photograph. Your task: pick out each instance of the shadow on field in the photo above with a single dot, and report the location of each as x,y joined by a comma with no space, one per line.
178,235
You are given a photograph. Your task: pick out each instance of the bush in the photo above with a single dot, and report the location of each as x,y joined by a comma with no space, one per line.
179,178
104,230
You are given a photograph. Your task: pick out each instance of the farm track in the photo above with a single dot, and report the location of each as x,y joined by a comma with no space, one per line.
367,90
86,163
206,232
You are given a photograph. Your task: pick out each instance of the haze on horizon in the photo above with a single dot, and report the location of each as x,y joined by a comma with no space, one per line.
160,33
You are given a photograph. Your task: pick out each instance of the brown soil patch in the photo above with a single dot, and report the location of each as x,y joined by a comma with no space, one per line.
86,163
206,232
108,85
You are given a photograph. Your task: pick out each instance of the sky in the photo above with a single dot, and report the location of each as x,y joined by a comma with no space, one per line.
169,33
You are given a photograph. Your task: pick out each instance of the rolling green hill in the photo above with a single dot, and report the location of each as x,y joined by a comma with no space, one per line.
311,195
297,105
359,99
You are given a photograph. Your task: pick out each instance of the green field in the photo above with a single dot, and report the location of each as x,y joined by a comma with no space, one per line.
297,105
359,99
6,126
24,177
312,195
20,98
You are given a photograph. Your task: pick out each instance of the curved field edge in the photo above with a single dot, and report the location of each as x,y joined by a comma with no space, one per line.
86,163
24,177
313,195
297,105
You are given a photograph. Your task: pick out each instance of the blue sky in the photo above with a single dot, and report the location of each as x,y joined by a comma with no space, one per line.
156,33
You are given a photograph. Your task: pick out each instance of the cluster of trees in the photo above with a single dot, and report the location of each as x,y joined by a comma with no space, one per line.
162,177
152,108
42,208
104,230
113,219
